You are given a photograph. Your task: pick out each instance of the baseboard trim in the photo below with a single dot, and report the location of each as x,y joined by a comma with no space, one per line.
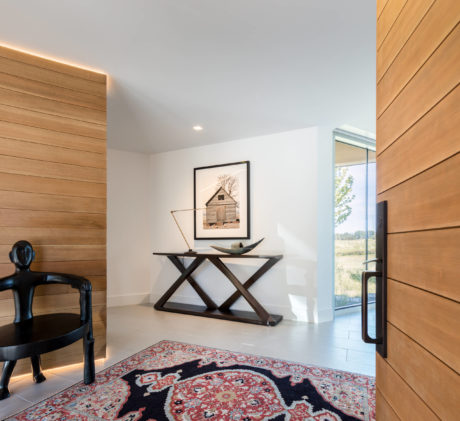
127,299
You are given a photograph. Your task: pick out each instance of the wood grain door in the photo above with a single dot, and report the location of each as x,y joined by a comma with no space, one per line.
418,174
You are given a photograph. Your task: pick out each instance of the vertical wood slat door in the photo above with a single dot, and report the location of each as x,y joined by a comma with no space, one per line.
418,173
53,185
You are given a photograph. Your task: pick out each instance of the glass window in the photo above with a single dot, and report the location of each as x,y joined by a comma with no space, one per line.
355,200
220,197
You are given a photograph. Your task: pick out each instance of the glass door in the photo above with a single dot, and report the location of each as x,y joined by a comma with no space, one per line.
355,198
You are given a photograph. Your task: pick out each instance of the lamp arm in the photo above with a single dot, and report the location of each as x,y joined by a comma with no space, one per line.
180,229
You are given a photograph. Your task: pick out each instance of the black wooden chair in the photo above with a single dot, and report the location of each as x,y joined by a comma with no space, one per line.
29,336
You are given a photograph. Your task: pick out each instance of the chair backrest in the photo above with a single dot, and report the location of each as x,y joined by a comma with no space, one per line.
23,281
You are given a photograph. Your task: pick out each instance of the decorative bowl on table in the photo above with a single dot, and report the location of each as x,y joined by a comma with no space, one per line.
238,248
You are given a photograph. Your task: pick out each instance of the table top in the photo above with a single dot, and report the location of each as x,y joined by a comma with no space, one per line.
221,255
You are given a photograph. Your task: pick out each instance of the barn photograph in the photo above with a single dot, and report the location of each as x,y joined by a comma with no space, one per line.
222,201
221,210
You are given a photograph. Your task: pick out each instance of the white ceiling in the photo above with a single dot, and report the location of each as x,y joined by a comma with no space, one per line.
239,68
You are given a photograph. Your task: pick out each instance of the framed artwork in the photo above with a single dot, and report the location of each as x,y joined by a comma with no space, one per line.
221,200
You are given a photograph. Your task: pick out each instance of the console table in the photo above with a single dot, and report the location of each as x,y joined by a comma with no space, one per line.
259,316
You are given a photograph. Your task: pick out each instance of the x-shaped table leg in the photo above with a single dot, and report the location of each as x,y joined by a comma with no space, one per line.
251,281
186,274
263,315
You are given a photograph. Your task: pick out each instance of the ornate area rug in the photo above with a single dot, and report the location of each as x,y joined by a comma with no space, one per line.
177,381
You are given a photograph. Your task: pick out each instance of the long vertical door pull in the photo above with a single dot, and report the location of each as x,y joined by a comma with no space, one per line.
380,275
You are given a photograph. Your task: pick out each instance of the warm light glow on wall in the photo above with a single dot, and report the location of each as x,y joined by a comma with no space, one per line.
48,57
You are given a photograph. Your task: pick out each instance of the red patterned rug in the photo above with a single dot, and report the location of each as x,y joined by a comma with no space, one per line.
177,381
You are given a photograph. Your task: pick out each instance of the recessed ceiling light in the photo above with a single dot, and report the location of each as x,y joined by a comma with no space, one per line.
197,128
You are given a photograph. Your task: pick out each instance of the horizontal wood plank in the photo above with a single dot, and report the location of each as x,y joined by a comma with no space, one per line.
41,152
52,236
436,330
433,139
82,268
433,29
98,283
387,18
38,168
51,77
43,105
49,253
430,200
60,187
422,371
418,97
99,313
380,6
392,387
51,138
49,202
52,122
48,219
55,93
406,23
52,64
427,260
384,412
44,304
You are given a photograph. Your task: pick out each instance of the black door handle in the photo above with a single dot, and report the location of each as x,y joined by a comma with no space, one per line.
380,275
366,275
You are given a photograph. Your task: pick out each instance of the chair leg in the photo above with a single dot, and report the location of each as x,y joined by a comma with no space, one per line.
8,367
37,373
88,348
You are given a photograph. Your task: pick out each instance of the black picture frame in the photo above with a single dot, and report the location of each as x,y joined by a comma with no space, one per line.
230,236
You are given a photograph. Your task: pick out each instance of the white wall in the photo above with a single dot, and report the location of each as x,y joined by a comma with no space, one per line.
291,206
128,224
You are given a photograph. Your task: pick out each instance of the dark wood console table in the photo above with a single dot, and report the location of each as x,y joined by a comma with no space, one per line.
259,316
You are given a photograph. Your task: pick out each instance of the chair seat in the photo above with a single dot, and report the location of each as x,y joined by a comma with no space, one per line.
40,334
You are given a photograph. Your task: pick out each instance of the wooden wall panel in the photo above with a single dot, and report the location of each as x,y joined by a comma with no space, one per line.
52,77
417,98
32,184
430,200
435,383
37,151
433,139
25,166
49,202
51,122
387,18
418,173
56,66
50,137
380,6
437,329
422,43
392,387
48,106
53,236
63,95
53,184
405,25
427,259
384,409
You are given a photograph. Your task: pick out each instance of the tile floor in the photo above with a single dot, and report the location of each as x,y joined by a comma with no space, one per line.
130,329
